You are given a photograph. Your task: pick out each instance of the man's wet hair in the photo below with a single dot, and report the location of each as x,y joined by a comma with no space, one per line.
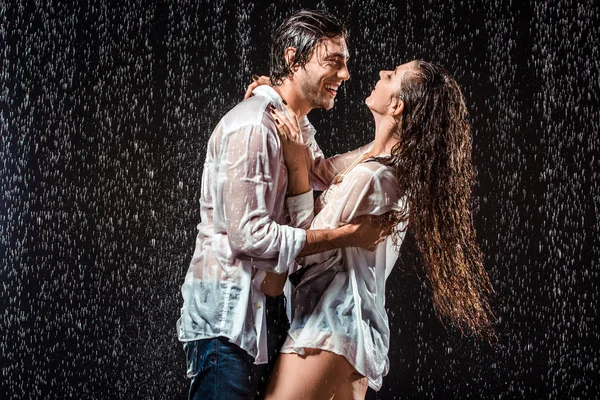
302,31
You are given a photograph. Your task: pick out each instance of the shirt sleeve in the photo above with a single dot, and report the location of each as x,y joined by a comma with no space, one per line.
301,213
250,170
366,190
301,210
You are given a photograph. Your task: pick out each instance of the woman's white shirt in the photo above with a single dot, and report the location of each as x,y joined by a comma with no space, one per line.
339,305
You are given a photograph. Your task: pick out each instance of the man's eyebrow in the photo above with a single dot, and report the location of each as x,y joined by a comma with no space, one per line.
344,56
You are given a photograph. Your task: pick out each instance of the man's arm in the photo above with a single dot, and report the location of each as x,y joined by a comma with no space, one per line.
365,231
248,168
297,158
251,158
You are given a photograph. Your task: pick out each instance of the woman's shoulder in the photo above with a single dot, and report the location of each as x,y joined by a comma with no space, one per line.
378,183
371,176
374,169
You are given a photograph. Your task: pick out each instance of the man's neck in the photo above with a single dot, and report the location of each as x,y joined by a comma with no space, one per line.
292,96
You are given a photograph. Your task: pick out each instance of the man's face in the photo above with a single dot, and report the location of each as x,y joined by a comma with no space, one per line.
324,72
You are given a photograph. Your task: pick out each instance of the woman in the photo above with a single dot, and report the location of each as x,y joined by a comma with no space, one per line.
419,162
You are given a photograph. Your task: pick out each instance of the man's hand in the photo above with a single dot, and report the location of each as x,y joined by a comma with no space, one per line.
257,81
370,230
366,231
273,284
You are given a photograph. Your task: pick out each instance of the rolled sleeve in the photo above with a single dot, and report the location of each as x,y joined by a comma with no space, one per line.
301,209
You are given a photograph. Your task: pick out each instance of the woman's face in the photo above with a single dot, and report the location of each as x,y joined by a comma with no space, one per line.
384,97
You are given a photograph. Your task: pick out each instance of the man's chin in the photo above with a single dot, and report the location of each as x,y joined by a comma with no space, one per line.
324,104
328,105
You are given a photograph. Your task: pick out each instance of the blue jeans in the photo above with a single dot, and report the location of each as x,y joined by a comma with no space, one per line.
220,370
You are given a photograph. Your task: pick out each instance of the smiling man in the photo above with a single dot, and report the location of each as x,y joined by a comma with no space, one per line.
233,321
313,83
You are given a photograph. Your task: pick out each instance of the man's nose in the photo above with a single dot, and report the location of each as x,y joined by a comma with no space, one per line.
344,73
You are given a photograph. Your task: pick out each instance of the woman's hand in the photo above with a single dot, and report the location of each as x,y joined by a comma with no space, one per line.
294,150
292,142
257,81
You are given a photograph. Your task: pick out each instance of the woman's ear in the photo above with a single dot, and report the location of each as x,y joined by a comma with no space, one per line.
290,58
398,108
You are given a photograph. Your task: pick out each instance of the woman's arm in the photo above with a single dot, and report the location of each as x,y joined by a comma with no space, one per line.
294,150
295,155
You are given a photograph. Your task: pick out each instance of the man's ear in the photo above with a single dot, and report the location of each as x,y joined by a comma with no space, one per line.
290,58
398,108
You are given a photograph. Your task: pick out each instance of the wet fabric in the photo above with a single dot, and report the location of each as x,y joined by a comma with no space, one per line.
244,231
221,370
339,304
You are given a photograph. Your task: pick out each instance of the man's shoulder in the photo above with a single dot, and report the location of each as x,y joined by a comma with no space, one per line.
248,114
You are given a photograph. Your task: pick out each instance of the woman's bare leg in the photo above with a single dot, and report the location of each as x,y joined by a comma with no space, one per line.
316,375
355,388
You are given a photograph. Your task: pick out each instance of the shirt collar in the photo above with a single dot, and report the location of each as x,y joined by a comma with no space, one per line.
270,93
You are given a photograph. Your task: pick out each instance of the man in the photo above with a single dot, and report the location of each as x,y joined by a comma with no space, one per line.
231,330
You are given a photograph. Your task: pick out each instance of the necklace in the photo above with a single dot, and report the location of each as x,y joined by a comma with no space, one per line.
340,177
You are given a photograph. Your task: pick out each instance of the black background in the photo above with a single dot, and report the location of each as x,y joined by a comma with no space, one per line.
106,108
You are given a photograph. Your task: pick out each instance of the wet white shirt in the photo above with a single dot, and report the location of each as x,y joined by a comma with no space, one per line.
244,231
339,305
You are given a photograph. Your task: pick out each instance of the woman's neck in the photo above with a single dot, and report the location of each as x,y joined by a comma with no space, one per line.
386,135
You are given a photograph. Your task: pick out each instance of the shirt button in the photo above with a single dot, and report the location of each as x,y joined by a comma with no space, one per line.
257,304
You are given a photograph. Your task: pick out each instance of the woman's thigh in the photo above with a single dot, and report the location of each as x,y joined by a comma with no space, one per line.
316,375
354,388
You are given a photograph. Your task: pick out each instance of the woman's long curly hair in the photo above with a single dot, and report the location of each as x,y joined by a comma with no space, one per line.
433,160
